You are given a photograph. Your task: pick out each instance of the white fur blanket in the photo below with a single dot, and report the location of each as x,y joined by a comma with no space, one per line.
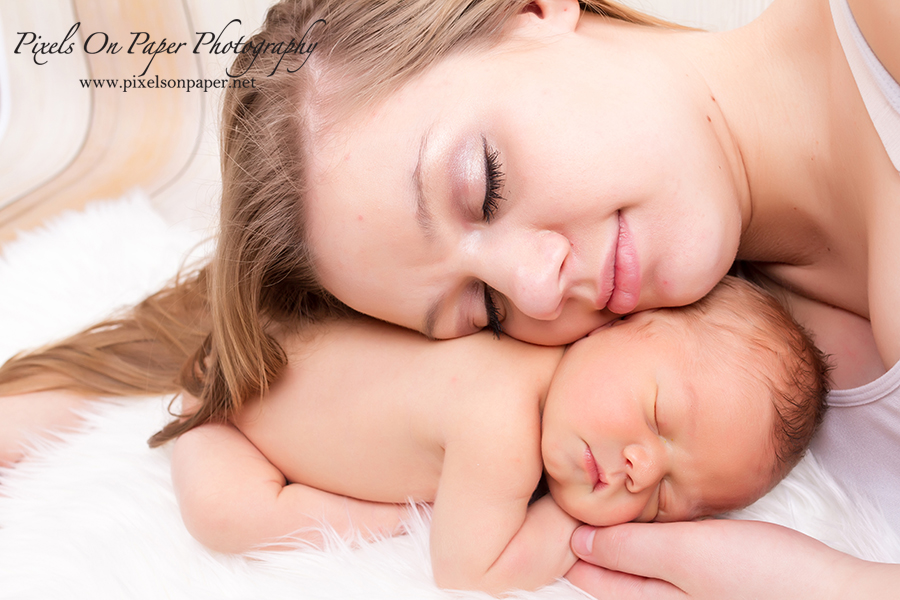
94,516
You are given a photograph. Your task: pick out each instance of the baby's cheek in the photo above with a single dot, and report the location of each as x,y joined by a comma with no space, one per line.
566,498
556,491
618,511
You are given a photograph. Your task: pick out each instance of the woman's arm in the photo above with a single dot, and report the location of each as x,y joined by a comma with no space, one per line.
721,559
232,499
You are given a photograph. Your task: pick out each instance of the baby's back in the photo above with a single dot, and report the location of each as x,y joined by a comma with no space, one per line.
365,409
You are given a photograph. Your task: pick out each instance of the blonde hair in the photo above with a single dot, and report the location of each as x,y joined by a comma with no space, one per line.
210,333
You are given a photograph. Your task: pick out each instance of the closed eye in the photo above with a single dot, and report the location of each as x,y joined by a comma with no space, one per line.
655,417
493,174
660,500
493,312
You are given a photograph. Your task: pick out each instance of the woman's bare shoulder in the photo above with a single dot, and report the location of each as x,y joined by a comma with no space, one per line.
879,22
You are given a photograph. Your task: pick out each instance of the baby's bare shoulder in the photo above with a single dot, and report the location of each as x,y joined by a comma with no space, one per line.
499,384
506,356
381,349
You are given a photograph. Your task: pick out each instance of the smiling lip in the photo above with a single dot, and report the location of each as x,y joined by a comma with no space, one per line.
594,473
608,280
627,273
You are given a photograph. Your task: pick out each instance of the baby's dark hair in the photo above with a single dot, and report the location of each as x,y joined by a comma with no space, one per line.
751,323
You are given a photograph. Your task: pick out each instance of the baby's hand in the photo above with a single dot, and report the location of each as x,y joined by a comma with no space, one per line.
35,414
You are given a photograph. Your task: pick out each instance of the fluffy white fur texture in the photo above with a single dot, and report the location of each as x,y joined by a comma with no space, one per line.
94,515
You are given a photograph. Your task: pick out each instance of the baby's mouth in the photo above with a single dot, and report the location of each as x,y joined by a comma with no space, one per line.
595,474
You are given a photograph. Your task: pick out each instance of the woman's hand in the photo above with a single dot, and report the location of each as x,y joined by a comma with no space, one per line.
718,559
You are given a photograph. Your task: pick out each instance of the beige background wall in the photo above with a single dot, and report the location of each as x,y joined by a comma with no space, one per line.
715,15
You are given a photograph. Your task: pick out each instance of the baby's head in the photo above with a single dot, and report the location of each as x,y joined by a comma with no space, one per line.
674,414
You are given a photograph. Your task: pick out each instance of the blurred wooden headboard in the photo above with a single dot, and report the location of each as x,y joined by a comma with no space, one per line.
66,144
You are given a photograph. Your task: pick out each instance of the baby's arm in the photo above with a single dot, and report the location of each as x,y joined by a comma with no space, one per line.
485,536
232,499
33,415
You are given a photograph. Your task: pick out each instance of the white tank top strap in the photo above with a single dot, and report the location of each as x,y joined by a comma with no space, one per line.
879,90
886,385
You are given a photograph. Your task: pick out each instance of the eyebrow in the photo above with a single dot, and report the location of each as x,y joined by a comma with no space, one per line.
431,318
689,418
426,222
696,505
423,213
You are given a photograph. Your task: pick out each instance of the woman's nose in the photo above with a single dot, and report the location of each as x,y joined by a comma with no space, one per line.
528,272
643,466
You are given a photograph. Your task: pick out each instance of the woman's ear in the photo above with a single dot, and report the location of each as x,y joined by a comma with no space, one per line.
548,17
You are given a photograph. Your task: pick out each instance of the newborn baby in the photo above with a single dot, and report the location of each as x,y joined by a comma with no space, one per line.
670,414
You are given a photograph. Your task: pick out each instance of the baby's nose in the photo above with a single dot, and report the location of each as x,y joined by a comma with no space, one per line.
643,467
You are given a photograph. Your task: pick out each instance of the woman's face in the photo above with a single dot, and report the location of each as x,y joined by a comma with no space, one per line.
566,176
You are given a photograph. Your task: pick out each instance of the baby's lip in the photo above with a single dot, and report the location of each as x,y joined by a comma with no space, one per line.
595,474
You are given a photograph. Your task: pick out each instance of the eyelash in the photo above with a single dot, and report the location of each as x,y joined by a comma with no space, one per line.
493,182
494,177
493,313
659,490
659,499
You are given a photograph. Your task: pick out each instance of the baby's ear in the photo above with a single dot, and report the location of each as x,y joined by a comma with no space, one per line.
543,18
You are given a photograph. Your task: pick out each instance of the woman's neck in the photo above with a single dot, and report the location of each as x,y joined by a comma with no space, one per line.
814,164
770,80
